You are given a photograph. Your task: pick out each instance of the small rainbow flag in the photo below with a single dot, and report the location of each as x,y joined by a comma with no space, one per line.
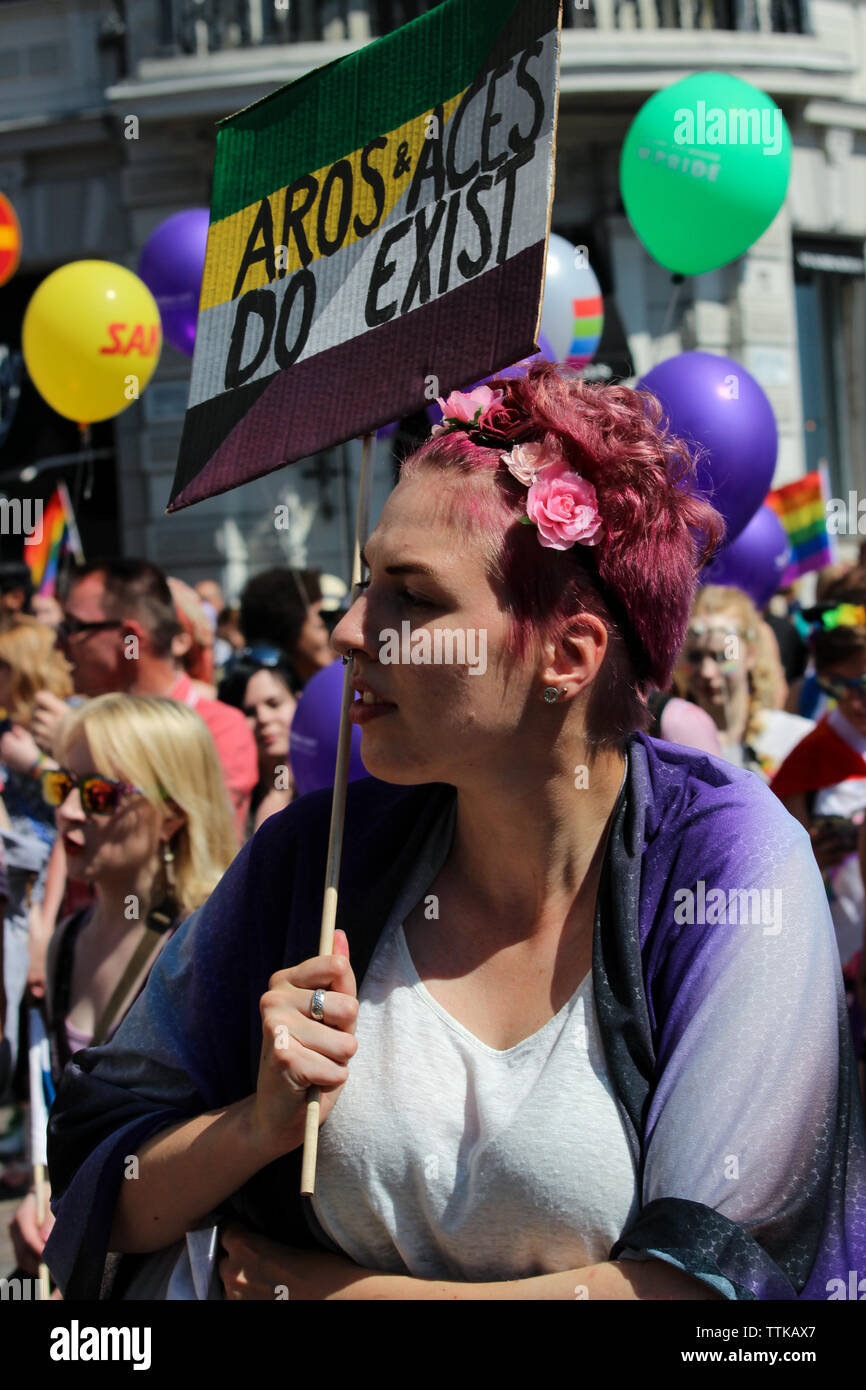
59,537
801,507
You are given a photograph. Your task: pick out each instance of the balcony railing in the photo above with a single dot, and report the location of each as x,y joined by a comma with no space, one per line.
746,16
211,26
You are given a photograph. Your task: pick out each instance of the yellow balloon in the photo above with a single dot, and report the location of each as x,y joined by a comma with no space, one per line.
91,339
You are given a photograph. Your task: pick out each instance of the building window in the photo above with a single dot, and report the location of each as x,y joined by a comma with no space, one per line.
831,330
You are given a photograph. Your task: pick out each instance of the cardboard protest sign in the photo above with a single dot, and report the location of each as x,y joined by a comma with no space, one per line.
377,238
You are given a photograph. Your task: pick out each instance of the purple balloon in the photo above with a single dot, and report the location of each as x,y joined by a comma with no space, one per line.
714,402
755,561
315,730
171,265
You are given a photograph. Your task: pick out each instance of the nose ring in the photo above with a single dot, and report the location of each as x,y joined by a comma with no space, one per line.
348,657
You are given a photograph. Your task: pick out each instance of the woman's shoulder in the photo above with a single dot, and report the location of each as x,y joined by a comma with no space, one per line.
720,848
715,806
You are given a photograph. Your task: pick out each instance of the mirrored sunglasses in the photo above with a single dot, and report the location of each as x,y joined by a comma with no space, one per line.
100,796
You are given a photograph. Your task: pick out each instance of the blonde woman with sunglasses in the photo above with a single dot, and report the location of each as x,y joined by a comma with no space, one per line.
141,808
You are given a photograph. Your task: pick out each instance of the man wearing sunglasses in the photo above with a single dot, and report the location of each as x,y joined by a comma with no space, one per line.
119,622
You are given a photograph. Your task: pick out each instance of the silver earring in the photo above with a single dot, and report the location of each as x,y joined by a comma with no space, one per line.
552,694
168,862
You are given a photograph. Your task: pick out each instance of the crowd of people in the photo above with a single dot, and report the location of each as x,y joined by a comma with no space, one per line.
145,736
145,756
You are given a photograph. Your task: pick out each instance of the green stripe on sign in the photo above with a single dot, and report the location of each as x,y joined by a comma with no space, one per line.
342,105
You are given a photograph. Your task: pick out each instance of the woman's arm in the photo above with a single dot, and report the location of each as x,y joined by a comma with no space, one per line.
183,1172
255,1267
628,1280
742,1116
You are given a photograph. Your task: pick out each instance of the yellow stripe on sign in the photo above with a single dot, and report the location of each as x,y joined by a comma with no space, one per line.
9,238
395,164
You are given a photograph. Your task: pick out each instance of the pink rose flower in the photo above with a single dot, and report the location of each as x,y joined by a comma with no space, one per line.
524,462
564,507
465,406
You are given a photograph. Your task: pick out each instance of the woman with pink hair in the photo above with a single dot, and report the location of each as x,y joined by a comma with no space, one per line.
559,1061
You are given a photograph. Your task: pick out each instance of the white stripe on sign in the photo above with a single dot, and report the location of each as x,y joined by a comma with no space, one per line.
413,259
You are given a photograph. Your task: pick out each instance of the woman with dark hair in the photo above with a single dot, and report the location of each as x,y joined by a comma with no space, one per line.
281,608
262,683
554,1064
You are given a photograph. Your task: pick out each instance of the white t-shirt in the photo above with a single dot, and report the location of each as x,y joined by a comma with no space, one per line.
777,734
445,1158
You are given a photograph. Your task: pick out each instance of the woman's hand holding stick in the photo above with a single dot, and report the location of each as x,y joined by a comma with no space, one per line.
299,1051
187,1170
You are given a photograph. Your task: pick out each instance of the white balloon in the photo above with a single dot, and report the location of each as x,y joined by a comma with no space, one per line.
568,277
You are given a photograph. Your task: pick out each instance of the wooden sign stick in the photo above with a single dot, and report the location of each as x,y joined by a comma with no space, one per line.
338,809
41,1213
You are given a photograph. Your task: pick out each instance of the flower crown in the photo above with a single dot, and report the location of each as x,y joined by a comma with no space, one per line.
561,503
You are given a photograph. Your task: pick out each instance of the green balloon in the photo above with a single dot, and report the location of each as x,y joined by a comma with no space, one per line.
704,170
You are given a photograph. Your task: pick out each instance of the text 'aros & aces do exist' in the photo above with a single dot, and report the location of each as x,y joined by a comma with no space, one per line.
459,207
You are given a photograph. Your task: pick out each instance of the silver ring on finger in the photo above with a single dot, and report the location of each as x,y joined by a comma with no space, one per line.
317,1004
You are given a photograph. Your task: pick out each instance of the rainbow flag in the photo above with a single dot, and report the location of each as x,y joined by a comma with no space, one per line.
801,507
59,537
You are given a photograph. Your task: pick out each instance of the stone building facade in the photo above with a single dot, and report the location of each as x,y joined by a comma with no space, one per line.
89,182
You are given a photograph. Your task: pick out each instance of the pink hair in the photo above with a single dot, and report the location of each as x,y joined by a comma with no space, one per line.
640,580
